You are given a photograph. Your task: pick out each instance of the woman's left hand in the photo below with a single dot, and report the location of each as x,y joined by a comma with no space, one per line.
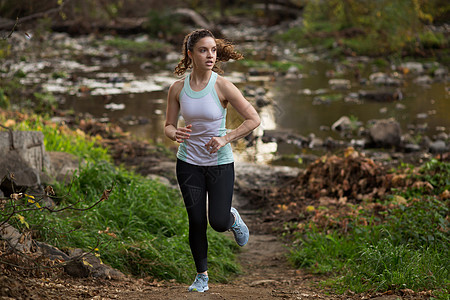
215,144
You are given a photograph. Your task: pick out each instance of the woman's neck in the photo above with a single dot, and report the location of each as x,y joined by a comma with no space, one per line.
199,79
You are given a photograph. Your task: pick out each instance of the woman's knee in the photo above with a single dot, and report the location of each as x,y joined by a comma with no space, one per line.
219,226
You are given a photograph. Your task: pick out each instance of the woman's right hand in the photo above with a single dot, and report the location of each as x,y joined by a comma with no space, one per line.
182,133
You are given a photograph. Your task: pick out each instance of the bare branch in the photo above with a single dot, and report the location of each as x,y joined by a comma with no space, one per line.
38,15
7,37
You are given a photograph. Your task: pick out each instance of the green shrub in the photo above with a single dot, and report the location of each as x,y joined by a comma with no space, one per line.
422,223
5,48
386,26
407,246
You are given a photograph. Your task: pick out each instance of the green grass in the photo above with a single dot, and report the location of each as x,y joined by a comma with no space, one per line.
142,229
385,266
405,247
146,222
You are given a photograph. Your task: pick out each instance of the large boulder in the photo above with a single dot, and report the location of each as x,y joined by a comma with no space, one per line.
51,252
342,84
23,157
16,175
412,67
28,144
385,133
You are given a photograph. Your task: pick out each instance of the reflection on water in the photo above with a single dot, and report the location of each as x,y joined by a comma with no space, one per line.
258,152
420,105
142,114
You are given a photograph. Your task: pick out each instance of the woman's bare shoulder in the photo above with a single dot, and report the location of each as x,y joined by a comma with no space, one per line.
223,83
177,86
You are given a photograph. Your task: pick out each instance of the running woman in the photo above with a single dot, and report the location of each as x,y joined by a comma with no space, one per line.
205,164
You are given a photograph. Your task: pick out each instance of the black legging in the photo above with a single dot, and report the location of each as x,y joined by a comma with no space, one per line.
195,182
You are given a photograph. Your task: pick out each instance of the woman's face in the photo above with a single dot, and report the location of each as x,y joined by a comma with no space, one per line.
204,54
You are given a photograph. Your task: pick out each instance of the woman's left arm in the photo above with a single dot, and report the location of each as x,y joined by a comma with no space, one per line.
229,92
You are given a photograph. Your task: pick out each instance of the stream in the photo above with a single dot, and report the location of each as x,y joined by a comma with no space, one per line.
303,100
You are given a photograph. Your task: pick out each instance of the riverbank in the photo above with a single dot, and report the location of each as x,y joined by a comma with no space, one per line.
111,79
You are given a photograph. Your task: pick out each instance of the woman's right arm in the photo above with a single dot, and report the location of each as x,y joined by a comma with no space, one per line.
171,129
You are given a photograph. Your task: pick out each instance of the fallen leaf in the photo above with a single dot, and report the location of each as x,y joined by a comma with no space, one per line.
310,208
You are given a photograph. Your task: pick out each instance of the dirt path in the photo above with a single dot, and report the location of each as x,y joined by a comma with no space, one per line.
266,274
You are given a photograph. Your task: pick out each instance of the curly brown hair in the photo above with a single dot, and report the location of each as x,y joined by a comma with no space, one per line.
225,51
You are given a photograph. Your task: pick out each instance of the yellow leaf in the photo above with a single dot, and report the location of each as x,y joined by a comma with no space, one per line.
29,196
86,263
310,208
22,220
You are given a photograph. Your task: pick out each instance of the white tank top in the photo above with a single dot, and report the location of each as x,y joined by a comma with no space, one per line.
206,114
